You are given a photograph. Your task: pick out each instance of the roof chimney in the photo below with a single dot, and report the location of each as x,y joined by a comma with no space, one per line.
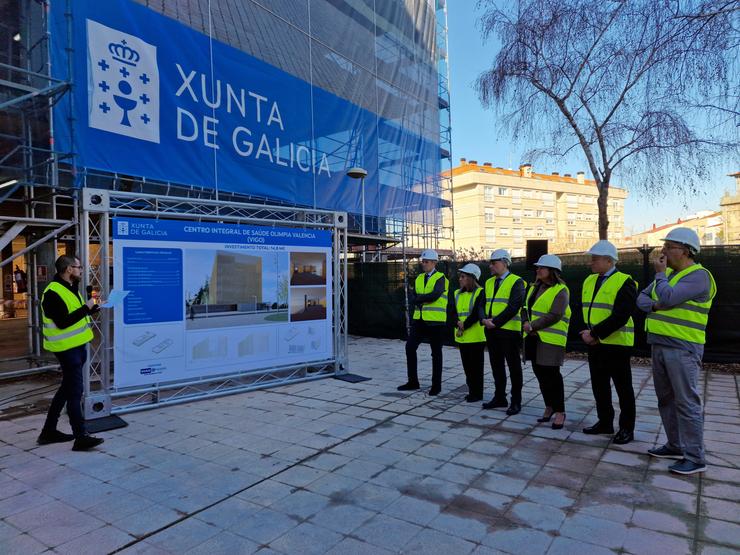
525,170
487,164
567,175
581,177
473,162
555,173
463,160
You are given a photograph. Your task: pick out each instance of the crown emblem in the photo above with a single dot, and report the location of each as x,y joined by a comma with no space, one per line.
124,54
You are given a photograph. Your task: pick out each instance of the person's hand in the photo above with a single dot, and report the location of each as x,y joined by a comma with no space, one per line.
459,333
660,264
90,303
527,327
488,322
588,339
460,325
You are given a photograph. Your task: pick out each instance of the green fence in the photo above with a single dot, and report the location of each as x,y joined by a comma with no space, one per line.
377,299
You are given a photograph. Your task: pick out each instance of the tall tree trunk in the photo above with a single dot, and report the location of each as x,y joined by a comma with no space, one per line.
603,203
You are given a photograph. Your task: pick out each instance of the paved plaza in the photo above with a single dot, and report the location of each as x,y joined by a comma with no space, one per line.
332,467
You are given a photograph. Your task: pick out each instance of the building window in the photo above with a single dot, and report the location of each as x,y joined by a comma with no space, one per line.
489,215
503,211
488,192
502,191
504,231
540,213
490,235
528,213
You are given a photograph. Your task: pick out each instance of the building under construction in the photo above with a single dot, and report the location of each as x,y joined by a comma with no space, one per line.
215,109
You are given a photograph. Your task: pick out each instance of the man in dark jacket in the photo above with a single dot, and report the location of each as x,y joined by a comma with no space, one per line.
428,303
67,330
608,301
503,325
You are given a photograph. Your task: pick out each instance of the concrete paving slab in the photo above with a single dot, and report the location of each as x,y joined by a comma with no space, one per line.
332,467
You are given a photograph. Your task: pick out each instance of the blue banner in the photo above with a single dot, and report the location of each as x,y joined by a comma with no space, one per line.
139,229
151,97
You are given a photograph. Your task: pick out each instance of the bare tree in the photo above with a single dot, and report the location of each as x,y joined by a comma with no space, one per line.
645,87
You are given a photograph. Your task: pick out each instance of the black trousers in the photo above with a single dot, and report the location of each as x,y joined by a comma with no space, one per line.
69,392
472,358
504,349
551,386
611,363
435,334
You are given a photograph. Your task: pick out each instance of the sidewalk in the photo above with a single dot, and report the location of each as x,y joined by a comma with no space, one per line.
333,467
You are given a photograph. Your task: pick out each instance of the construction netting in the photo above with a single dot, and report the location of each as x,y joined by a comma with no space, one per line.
377,298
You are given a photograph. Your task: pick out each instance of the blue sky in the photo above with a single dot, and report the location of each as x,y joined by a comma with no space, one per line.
475,134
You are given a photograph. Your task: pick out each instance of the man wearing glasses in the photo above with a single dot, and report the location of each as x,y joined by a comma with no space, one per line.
677,305
67,331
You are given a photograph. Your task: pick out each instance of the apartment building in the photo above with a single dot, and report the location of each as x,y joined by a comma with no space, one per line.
500,208
706,223
730,207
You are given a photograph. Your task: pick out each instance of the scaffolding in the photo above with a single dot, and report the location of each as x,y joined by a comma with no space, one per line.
41,188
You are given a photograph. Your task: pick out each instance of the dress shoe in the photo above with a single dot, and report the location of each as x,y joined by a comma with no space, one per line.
547,416
472,399
408,387
623,437
513,409
559,421
53,436
85,443
495,404
598,428
434,391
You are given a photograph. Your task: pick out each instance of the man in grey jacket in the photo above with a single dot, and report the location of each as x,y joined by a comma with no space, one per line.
678,304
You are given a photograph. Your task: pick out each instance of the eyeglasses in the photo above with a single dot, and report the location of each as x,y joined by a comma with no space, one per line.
78,267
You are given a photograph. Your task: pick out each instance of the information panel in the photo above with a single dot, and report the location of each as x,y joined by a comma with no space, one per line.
207,298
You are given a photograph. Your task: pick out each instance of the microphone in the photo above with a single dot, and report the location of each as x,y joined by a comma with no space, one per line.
89,290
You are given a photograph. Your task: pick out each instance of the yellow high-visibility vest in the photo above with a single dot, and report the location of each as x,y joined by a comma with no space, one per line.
686,321
598,308
436,311
464,302
79,333
495,304
557,334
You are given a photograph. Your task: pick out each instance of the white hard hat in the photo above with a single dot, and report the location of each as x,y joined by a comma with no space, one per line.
604,248
685,236
429,254
550,261
501,254
471,269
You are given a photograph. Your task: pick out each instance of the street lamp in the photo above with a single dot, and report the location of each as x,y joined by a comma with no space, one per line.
361,174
